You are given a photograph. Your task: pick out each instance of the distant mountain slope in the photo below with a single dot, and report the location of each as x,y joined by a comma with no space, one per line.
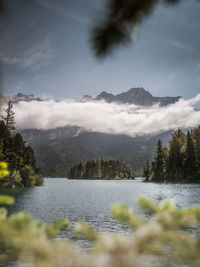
137,96
56,156
35,136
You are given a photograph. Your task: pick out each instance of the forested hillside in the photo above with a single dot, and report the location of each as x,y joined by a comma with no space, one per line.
101,169
19,157
58,150
179,162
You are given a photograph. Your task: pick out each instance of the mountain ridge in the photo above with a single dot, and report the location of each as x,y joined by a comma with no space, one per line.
57,150
138,96
22,97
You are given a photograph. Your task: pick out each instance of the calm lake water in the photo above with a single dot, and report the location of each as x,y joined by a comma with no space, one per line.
91,200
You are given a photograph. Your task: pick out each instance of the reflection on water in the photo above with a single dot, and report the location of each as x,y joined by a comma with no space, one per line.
91,201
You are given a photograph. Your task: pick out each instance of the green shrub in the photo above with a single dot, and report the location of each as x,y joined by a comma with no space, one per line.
39,181
29,178
12,180
27,174
6,182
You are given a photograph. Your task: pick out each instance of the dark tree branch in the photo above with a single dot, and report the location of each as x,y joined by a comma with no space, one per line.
122,16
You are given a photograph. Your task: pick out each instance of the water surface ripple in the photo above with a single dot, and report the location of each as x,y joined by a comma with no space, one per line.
90,201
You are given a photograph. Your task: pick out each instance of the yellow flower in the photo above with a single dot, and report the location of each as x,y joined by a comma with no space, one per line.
3,165
3,169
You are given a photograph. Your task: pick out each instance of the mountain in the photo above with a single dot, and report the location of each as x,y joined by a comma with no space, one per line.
137,96
21,97
85,98
59,149
35,137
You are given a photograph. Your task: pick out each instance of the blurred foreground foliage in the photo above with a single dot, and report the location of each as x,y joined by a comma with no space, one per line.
159,241
163,238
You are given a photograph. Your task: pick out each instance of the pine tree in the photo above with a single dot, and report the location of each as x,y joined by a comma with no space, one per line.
181,162
158,163
4,132
1,151
190,158
88,169
196,137
9,119
176,155
72,173
97,169
29,157
147,171
80,170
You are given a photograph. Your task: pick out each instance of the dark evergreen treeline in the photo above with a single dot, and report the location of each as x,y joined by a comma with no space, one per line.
101,169
180,162
20,159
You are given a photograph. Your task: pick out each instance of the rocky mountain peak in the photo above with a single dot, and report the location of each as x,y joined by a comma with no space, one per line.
105,96
22,97
138,91
138,96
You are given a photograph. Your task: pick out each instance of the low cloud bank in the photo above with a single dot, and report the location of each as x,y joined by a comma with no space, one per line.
114,118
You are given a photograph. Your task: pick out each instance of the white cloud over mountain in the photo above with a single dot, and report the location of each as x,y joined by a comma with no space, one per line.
114,118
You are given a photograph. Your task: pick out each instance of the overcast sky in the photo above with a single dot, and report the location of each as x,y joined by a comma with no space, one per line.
45,50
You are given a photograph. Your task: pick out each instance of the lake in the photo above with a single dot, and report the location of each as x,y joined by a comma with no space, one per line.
91,200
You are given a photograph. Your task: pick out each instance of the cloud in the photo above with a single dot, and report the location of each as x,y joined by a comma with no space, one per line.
30,56
113,118
180,45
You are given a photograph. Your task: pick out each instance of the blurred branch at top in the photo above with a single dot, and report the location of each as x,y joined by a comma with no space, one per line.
2,11
121,19
2,6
